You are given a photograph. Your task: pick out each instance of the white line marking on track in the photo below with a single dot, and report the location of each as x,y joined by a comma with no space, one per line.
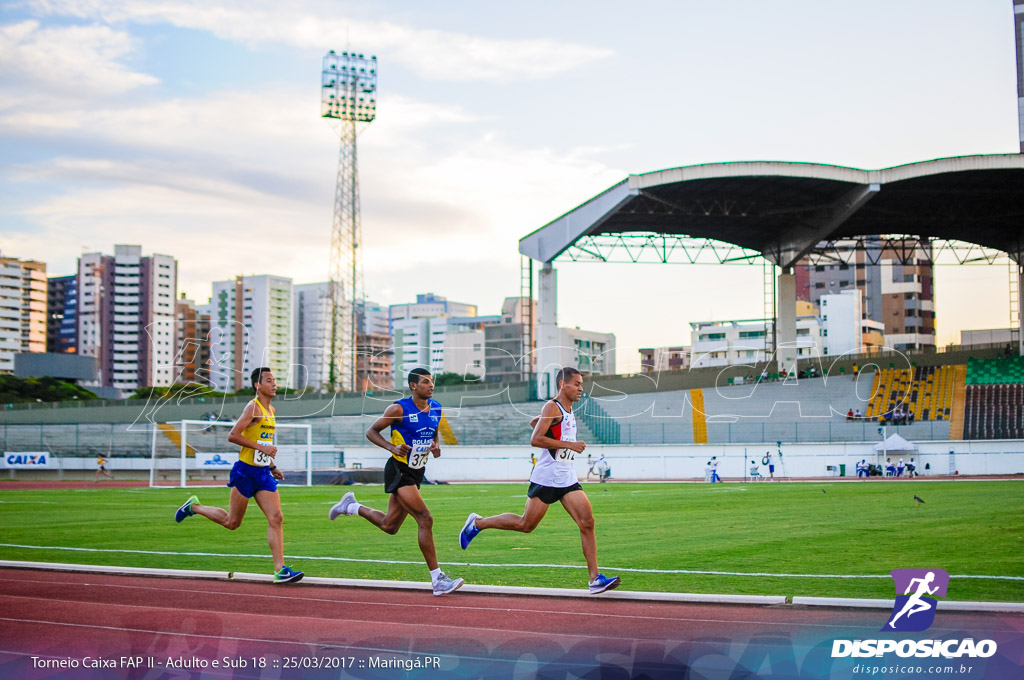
511,565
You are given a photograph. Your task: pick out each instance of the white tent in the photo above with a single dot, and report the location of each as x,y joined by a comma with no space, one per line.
895,444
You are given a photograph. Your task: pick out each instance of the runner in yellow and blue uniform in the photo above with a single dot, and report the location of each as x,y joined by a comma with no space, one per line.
254,475
414,423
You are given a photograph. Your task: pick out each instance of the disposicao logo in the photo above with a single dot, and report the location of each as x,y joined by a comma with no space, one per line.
914,611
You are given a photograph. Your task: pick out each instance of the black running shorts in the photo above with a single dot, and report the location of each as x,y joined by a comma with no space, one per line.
397,475
551,494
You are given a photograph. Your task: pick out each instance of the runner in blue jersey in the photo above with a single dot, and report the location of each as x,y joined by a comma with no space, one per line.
414,423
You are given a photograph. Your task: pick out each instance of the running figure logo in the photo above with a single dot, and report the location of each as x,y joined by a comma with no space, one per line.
915,611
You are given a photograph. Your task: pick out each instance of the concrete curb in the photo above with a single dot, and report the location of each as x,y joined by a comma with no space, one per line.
538,592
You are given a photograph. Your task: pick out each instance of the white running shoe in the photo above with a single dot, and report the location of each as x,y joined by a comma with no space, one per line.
342,506
444,585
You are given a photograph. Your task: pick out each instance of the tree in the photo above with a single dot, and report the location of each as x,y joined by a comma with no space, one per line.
15,390
444,379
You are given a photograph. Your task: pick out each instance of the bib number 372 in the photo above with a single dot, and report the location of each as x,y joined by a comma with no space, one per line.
565,455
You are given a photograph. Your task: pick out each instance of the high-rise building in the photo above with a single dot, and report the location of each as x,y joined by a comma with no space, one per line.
503,347
22,309
61,314
372,318
126,316
419,331
374,370
742,341
589,352
311,361
192,345
464,349
417,343
251,326
430,306
899,296
842,323
509,354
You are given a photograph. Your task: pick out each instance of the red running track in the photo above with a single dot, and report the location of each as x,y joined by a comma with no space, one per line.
70,615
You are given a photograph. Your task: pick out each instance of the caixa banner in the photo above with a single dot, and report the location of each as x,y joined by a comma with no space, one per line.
28,460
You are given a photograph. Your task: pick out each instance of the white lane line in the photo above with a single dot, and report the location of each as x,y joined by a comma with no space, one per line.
515,565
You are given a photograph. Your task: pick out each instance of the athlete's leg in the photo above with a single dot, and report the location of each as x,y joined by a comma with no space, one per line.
389,522
270,504
577,505
230,518
510,521
410,499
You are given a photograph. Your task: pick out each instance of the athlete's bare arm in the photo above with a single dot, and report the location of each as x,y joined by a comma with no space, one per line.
549,415
245,420
392,415
435,448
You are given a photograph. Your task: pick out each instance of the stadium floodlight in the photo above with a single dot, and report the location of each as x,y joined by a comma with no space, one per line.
348,96
349,87
196,450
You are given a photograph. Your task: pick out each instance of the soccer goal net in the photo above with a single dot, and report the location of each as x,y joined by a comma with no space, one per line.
198,453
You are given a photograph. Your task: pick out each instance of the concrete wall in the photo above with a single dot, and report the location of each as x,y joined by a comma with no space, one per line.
649,463
139,410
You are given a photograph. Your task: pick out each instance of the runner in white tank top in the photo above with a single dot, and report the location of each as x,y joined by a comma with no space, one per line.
553,479
555,467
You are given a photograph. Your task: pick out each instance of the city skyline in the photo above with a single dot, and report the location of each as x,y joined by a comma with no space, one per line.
194,130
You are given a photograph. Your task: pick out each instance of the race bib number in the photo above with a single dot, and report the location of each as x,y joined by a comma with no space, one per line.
565,455
419,455
260,459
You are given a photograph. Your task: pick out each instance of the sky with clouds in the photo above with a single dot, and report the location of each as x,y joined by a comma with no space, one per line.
192,127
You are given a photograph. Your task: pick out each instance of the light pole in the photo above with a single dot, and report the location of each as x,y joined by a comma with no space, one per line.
348,97
882,431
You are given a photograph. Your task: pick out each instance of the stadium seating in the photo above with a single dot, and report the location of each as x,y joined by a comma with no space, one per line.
994,400
926,391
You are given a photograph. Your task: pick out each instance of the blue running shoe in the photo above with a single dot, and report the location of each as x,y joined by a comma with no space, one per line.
185,510
287,575
603,583
469,530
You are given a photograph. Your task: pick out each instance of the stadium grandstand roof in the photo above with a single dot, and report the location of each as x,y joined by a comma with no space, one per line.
784,210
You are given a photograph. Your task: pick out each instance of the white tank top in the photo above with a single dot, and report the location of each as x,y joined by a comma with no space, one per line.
555,466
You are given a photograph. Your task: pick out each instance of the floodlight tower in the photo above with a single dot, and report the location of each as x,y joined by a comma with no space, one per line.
348,97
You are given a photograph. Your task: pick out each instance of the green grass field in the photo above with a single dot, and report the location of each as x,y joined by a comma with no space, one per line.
966,528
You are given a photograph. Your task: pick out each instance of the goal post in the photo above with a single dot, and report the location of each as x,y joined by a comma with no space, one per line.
197,452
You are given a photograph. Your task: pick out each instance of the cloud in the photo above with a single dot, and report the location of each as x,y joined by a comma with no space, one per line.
69,62
432,54
254,194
